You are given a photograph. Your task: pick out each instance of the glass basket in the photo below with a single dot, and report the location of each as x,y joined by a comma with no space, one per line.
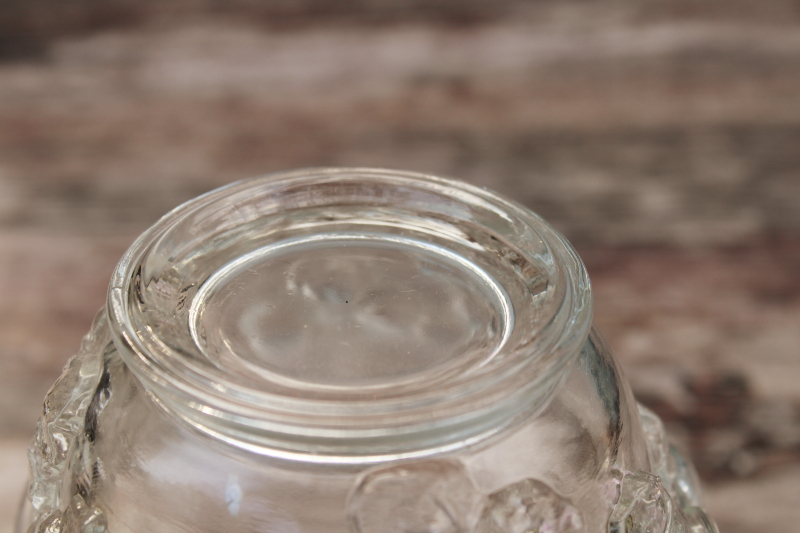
351,351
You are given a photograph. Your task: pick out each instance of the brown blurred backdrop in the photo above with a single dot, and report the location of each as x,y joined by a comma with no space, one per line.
662,137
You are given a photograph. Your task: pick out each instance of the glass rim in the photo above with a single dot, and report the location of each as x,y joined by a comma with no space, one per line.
421,423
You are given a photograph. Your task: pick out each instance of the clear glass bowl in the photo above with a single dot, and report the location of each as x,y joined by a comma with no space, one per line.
351,350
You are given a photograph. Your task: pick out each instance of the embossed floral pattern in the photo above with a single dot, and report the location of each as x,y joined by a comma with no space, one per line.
58,448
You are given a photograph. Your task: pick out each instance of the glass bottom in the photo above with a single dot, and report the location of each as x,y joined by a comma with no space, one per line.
318,308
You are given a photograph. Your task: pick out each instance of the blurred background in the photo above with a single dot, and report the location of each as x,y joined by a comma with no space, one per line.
661,136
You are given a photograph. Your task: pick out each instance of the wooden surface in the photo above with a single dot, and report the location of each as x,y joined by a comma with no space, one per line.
664,141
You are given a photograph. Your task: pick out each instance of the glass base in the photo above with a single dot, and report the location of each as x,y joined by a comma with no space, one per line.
315,311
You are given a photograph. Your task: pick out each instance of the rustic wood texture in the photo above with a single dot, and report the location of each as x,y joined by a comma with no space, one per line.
663,138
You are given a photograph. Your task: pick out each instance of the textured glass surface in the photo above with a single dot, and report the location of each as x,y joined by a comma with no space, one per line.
62,464
434,496
528,505
664,501
351,351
